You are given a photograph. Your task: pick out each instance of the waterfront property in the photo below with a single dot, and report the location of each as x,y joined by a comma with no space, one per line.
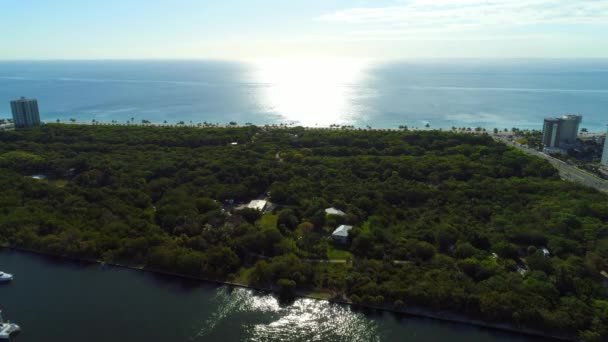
6,125
605,153
128,301
25,112
560,133
437,204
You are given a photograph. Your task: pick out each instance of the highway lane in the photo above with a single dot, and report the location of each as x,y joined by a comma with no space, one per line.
566,171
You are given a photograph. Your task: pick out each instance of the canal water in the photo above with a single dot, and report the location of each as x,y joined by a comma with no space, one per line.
57,300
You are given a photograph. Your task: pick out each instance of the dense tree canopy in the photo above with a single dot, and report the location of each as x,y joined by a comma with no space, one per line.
441,220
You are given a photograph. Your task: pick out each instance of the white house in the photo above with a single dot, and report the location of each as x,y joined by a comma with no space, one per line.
257,205
546,252
334,211
341,233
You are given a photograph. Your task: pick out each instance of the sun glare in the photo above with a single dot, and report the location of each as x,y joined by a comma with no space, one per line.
312,92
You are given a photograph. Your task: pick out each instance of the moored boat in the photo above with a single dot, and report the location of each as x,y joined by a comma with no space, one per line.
7,328
4,277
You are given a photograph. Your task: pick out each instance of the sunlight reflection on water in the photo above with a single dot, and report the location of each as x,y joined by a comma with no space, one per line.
304,320
312,92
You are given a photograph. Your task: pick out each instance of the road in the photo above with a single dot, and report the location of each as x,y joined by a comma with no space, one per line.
566,170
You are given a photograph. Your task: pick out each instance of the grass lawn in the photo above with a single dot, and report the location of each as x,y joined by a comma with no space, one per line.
333,253
365,226
269,221
60,183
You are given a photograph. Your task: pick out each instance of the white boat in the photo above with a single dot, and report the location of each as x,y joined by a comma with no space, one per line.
7,328
5,277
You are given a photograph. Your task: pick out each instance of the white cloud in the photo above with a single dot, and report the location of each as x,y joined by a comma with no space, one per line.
450,15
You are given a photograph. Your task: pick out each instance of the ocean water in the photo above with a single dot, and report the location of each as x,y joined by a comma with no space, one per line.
462,93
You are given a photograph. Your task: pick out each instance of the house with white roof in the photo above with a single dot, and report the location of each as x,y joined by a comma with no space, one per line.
341,234
334,211
257,205
546,252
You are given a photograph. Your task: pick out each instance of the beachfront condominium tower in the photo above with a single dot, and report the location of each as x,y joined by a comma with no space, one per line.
569,129
561,132
25,112
550,132
605,154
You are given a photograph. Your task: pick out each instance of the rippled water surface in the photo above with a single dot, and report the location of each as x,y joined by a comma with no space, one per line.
469,93
55,300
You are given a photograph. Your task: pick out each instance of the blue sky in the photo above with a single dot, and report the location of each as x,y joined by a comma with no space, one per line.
250,29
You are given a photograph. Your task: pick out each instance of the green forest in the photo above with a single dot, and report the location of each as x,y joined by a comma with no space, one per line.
442,221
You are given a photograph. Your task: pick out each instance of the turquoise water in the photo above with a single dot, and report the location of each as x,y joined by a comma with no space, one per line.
55,300
443,94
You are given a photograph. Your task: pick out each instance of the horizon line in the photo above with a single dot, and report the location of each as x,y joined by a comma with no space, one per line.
212,59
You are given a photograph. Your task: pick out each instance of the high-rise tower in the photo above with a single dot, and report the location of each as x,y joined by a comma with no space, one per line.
25,112
605,153
561,132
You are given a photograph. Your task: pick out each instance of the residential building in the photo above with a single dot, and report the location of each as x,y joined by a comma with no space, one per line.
25,112
570,128
550,132
605,153
341,234
561,132
257,205
6,125
334,211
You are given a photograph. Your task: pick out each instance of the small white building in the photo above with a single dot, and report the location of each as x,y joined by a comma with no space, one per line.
7,126
522,270
257,205
341,233
334,211
546,252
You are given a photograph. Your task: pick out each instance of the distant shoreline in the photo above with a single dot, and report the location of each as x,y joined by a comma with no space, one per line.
335,127
323,128
447,317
